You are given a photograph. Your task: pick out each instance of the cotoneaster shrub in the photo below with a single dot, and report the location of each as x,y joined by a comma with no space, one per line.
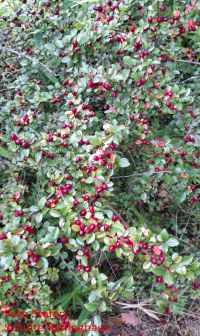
90,94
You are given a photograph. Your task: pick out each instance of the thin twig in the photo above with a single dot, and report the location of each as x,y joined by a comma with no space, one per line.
70,270
28,57
186,224
145,173
134,305
118,215
110,265
189,62
190,79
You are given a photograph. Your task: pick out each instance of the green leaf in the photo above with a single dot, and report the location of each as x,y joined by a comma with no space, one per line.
91,238
158,271
66,59
49,74
82,2
146,265
59,43
95,141
4,153
38,217
99,215
110,128
83,316
168,278
91,307
38,156
45,265
186,260
124,163
54,231
55,213
6,261
164,235
41,203
181,270
102,307
172,242
129,61
97,321
129,282
181,197
83,38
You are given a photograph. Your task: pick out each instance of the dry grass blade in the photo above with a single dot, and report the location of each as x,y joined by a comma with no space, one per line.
140,306
134,305
151,313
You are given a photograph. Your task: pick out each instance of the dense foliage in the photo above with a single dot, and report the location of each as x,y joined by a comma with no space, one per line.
100,155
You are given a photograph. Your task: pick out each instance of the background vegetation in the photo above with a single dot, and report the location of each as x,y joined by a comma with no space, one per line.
99,130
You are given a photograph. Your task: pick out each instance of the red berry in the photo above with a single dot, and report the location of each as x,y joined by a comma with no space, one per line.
79,268
159,279
18,213
48,204
68,186
26,228
64,240
86,252
64,144
103,162
91,209
25,144
106,227
81,233
132,29
162,258
5,309
35,258
3,236
107,86
13,137
153,260
141,245
114,218
75,203
43,153
83,213
112,248
195,285
96,158
118,244
87,269
50,156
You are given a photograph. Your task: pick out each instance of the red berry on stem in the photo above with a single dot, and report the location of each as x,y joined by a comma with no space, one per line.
106,228
112,248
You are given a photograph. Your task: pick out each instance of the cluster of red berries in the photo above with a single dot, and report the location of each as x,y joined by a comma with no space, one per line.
32,257
23,144
28,229
92,85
